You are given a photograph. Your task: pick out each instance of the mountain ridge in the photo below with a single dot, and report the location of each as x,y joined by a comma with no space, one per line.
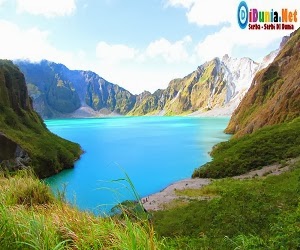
215,86
58,92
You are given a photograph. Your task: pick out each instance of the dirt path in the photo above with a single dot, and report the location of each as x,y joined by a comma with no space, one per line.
158,200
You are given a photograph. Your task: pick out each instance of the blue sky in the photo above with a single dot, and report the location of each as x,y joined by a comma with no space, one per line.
138,44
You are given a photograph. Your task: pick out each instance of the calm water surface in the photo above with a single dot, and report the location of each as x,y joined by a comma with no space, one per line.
152,151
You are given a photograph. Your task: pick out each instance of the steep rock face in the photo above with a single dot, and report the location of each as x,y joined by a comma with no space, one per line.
12,92
203,89
57,91
147,103
215,84
274,96
215,88
24,139
101,94
12,156
51,91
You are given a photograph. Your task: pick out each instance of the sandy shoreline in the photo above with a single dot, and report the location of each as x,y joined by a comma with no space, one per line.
158,200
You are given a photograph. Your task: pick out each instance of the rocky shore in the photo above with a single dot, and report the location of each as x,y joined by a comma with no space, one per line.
159,200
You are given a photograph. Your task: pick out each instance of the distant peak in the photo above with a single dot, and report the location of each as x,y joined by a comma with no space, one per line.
225,57
283,41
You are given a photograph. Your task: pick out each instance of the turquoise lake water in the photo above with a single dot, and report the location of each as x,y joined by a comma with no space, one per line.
153,151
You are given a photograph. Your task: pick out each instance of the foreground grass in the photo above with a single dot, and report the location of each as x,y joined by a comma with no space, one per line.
32,218
249,214
240,155
245,214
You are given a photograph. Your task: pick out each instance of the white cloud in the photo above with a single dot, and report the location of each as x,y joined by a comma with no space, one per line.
225,40
215,45
211,12
114,53
182,3
215,12
2,2
228,38
159,49
137,77
207,12
170,52
130,68
139,70
33,44
48,8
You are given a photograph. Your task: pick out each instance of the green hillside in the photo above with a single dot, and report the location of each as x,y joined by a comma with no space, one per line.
24,131
268,145
259,213
274,96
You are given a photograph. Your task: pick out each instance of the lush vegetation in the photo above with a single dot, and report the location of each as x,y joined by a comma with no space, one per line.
263,147
241,214
32,218
259,213
48,152
23,126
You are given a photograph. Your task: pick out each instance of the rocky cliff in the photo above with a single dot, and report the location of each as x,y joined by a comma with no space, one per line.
274,96
24,139
57,91
217,84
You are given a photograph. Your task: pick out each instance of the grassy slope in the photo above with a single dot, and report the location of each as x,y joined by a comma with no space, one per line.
19,122
274,96
49,153
31,218
244,214
256,213
265,146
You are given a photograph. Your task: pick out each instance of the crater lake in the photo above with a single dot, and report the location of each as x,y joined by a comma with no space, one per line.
152,151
